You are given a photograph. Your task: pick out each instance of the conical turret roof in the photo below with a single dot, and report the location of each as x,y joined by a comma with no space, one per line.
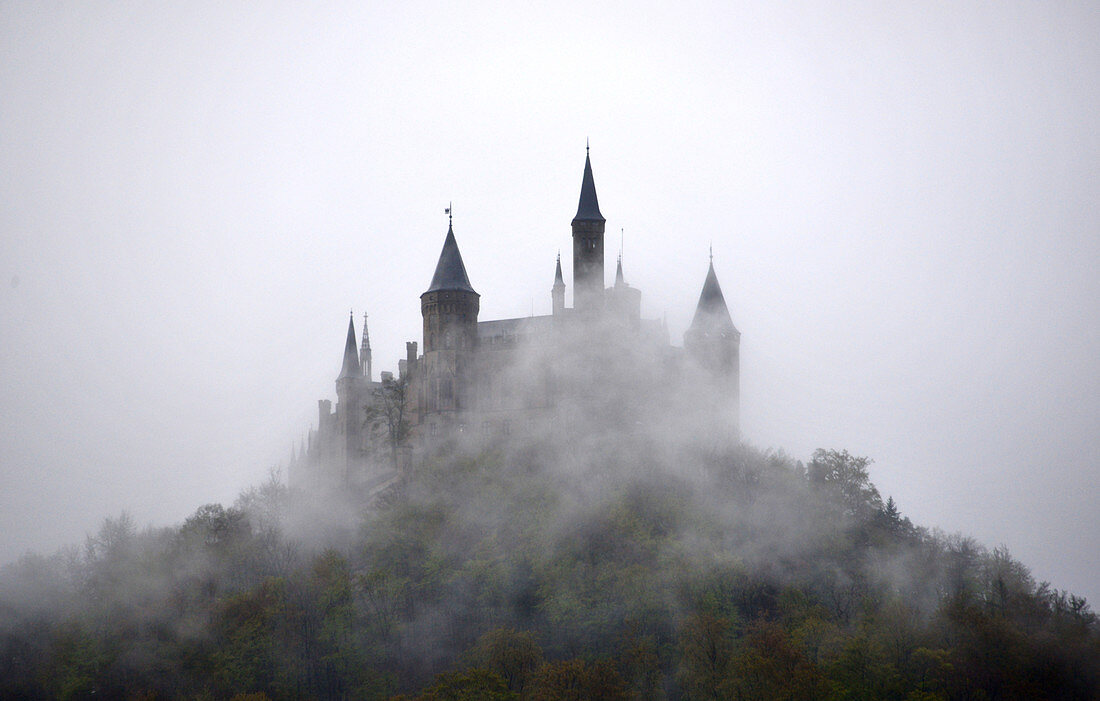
351,367
558,279
711,314
450,273
588,209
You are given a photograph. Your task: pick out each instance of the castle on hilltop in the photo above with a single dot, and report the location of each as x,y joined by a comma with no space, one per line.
490,378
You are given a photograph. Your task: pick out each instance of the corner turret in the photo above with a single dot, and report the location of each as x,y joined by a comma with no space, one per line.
350,396
365,353
557,292
624,303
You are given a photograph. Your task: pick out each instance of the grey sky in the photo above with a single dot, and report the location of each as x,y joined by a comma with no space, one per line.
902,198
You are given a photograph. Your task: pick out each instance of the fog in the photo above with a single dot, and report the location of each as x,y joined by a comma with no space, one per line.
614,525
902,204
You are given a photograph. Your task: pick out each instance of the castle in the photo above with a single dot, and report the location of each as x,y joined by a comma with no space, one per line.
489,378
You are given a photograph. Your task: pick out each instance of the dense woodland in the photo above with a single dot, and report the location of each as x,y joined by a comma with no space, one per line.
526,572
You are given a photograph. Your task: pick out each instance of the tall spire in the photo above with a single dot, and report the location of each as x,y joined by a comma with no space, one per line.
558,279
450,273
619,281
588,208
364,351
351,366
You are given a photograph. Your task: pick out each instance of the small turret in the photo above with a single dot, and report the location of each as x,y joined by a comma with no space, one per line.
350,394
557,292
624,303
365,354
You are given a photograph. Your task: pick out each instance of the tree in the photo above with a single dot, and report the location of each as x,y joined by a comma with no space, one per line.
385,416
768,665
470,685
706,649
846,476
508,653
576,680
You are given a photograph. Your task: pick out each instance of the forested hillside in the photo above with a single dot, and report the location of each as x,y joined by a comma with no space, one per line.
537,570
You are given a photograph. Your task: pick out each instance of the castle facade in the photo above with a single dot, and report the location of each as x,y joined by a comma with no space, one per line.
493,377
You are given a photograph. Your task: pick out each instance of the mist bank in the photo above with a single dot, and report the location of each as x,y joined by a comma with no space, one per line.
514,569
619,541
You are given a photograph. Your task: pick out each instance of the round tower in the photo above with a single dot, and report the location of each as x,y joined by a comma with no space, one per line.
450,308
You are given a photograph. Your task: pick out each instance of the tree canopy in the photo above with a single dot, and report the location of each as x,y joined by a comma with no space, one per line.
725,573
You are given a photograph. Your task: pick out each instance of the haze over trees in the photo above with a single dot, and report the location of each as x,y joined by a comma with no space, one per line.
489,575
599,557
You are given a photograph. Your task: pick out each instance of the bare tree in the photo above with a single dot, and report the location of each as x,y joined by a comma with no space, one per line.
385,416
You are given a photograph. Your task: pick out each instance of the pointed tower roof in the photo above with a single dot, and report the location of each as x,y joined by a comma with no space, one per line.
351,366
619,281
588,209
558,280
450,273
712,314
366,336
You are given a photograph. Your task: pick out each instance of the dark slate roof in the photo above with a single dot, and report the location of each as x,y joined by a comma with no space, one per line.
557,274
588,209
351,355
526,328
712,314
450,273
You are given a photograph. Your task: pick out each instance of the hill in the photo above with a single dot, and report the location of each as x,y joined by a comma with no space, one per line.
540,570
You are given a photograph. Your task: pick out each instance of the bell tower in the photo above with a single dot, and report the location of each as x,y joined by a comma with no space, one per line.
588,226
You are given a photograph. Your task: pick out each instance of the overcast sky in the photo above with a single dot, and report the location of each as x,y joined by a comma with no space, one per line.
902,199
